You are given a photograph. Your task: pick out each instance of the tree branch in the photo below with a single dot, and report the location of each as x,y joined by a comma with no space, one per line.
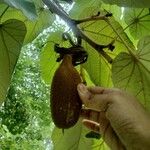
73,25
91,19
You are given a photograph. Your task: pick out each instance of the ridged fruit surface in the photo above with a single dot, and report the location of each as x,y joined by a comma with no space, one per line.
65,101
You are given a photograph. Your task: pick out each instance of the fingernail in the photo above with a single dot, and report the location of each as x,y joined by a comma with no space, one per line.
81,88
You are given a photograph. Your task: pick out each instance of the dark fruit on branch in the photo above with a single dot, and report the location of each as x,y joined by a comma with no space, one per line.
65,101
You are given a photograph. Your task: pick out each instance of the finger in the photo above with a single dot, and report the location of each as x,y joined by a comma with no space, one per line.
92,125
83,92
96,102
90,114
96,89
102,90
95,116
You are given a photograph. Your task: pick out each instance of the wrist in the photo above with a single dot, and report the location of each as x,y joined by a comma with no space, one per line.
141,140
145,137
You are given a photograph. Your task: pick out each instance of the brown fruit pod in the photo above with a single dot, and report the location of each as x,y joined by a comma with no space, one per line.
65,101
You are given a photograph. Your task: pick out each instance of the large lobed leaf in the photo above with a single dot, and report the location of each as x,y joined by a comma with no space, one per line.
131,71
103,32
48,57
12,33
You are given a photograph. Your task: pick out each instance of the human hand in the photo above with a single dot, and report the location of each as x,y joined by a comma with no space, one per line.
117,116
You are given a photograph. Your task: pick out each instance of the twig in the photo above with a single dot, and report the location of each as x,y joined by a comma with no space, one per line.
72,24
91,19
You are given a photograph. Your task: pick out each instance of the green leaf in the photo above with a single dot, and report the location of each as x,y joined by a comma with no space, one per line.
7,12
132,72
138,21
72,139
115,10
103,32
27,7
12,33
130,3
44,20
79,6
48,57
98,68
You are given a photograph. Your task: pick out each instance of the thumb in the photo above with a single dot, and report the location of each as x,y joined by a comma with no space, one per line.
97,102
94,126
83,93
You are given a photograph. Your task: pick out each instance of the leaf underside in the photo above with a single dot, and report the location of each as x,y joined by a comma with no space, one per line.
132,72
12,33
